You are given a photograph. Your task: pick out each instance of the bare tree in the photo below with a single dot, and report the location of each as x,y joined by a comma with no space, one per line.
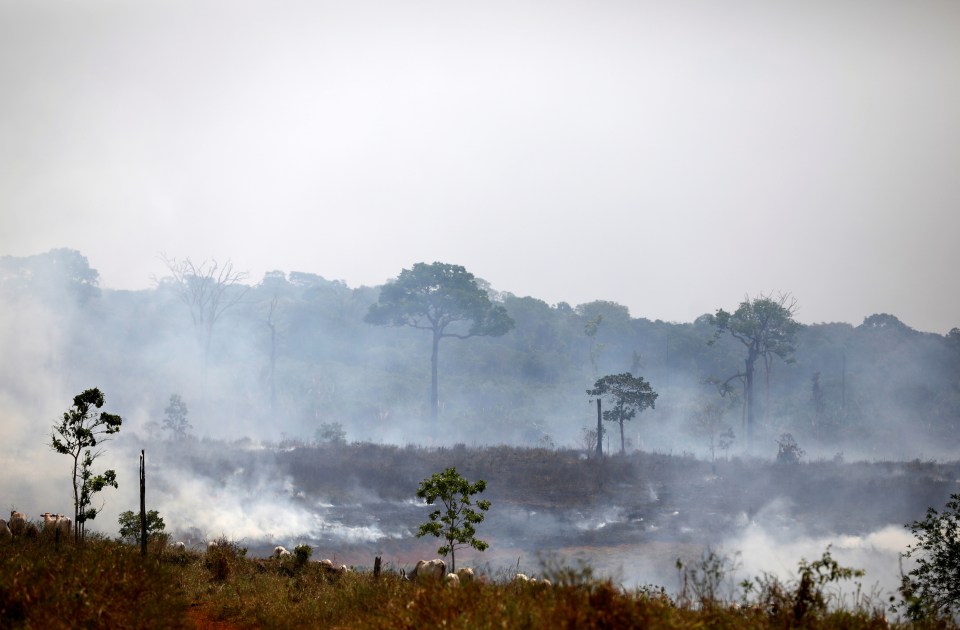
208,289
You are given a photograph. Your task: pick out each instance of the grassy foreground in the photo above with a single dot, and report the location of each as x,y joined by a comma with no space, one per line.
105,584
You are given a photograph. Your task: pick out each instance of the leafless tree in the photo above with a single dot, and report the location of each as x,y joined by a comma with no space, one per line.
208,289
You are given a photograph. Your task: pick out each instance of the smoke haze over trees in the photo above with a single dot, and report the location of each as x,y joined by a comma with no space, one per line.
879,389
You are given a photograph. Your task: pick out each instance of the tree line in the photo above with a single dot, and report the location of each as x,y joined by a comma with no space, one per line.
303,351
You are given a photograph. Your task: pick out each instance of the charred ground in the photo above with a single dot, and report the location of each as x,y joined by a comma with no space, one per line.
557,500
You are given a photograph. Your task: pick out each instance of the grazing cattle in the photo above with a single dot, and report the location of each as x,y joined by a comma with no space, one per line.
327,565
54,522
64,524
434,569
465,574
17,523
180,546
280,552
212,545
5,533
452,579
520,577
49,521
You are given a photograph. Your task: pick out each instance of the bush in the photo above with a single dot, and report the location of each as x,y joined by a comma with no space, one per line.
130,526
933,587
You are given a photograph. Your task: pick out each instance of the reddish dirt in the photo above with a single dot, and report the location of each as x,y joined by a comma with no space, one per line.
198,617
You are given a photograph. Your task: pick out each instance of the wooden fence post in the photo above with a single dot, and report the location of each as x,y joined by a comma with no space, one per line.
143,507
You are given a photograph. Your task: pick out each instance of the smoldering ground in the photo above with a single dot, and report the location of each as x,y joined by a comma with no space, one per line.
633,530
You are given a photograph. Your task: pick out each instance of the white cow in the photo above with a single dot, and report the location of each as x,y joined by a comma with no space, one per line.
180,546
327,565
280,552
434,569
452,579
53,522
64,524
465,574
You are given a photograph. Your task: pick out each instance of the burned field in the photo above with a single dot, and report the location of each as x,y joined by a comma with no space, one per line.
355,502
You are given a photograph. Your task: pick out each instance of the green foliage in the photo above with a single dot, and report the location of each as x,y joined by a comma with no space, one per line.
444,299
456,523
788,451
129,522
80,431
332,432
629,393
50,275
436,296
766,328
932,588
302,553
175,418
764,325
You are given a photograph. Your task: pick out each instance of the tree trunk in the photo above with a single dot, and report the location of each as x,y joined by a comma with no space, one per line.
76,502
599,430
273,367
622,449
751,359
434,386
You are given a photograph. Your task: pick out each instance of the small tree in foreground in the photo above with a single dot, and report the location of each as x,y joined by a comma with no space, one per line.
76,435
130,526
933,586
455,523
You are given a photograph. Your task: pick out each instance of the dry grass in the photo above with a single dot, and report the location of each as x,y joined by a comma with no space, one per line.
101,584
105,584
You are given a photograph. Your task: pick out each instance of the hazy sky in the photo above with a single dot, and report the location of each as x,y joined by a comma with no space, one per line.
670,156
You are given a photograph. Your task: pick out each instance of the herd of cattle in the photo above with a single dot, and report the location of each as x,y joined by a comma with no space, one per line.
435,569
18,525
58,524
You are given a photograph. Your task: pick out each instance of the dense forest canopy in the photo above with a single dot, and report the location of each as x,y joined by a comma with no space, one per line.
294,354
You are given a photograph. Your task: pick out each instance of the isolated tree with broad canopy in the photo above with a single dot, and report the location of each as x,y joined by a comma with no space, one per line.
766,328
629,395
444,299
80,431
456,522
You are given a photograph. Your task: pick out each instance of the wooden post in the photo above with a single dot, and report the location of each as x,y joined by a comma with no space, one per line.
376,568
143,507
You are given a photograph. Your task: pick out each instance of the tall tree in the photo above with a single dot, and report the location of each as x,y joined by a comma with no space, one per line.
628,393
766,328
80,431
444,299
